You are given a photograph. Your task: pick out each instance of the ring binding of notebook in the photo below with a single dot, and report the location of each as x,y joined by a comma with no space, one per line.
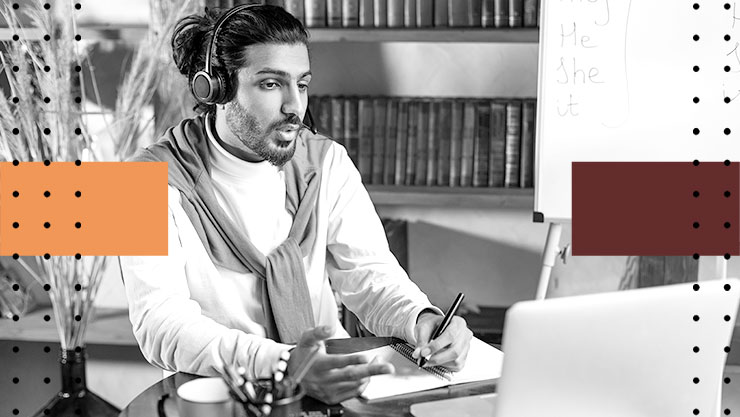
405,350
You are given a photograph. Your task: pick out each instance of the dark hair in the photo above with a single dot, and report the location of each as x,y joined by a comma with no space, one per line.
254,25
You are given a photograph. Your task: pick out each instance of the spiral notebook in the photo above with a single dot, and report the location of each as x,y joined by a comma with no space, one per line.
483,363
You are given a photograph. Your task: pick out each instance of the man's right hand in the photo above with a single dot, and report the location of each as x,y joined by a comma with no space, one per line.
333,378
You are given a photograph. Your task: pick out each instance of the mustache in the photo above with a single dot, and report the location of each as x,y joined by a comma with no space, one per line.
292,119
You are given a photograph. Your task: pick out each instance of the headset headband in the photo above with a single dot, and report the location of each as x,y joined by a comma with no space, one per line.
221,20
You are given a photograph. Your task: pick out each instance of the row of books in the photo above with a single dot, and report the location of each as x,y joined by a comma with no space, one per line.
456,142
408,13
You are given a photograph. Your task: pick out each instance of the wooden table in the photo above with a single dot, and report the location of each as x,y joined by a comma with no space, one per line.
145,405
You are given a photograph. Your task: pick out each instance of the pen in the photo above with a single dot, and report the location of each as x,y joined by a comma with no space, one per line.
443,324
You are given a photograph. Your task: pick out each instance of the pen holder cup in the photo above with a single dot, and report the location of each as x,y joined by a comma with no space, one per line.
289,406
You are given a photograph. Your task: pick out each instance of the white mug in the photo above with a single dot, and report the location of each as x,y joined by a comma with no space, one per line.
204,397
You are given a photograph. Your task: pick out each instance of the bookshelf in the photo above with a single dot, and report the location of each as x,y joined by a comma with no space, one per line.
390,195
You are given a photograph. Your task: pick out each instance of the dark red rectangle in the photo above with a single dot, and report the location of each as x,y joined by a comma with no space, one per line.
656,208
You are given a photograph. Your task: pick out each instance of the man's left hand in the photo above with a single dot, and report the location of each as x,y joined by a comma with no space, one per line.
449,349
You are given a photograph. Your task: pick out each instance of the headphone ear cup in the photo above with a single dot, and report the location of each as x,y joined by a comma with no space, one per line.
205,87
222,88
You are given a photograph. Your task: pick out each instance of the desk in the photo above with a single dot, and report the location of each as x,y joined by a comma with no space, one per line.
145,405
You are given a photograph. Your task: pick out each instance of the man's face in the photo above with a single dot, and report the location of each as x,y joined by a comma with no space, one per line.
265,116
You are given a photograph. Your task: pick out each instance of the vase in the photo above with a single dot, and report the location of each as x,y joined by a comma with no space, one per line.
75,399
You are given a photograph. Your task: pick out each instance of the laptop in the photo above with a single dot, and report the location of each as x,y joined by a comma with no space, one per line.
624,353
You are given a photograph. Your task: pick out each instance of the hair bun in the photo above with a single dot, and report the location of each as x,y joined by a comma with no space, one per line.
189,43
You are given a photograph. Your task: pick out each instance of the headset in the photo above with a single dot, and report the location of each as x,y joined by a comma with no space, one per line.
209,87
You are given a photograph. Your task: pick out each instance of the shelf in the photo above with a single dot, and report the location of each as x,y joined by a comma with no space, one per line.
451,197
135,33
132,33
109,327
520,35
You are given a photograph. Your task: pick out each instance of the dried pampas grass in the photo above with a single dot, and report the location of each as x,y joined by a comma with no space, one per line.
150,71
42,118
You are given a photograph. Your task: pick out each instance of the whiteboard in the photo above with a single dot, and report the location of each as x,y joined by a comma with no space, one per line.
616,82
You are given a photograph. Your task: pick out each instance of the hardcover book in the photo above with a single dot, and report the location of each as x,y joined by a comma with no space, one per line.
350,13
365,127
513,142
474,13
379,131
516,13
501,13
458,13
367,15
424,13
352,128
422,145
401,141
441,18
411,137
497,156
295,7
391,135
487,13
456,142
315,12
526,163
409,13
395,13
468,143
380,13
444,133
432,140
482,144
530,13
334,13
337,120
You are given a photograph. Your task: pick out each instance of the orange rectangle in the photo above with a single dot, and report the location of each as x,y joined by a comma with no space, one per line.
96,208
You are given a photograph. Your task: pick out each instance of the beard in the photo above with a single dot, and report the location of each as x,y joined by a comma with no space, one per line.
261,140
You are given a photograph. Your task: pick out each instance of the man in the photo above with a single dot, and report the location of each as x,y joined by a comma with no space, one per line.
266,220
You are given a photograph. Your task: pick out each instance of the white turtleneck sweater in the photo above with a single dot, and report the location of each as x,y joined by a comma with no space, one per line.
181,306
